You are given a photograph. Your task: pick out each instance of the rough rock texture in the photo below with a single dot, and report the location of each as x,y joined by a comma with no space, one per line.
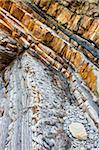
36,106
8,49
32,108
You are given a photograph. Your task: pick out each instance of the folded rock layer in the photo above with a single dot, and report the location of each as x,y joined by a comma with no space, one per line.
64,36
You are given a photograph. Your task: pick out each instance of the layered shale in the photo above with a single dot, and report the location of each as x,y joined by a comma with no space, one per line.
49,63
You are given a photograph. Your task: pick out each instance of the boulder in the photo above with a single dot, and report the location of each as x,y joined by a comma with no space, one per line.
78,130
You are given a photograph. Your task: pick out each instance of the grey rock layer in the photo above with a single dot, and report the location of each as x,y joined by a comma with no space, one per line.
34,109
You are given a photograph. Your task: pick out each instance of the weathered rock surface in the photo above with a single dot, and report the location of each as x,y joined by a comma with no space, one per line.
9,49
32,108
37,109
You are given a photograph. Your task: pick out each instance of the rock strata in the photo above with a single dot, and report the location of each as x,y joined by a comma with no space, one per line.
49,75
38,109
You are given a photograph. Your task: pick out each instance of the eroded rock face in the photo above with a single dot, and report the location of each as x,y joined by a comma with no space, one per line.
38,109
33,108
9,49
33,99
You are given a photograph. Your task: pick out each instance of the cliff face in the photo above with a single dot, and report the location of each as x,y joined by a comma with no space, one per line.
36,109
32,107
63,35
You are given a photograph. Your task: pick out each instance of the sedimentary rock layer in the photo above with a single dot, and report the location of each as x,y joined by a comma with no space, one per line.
36,37
37,108
9,49
84,25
